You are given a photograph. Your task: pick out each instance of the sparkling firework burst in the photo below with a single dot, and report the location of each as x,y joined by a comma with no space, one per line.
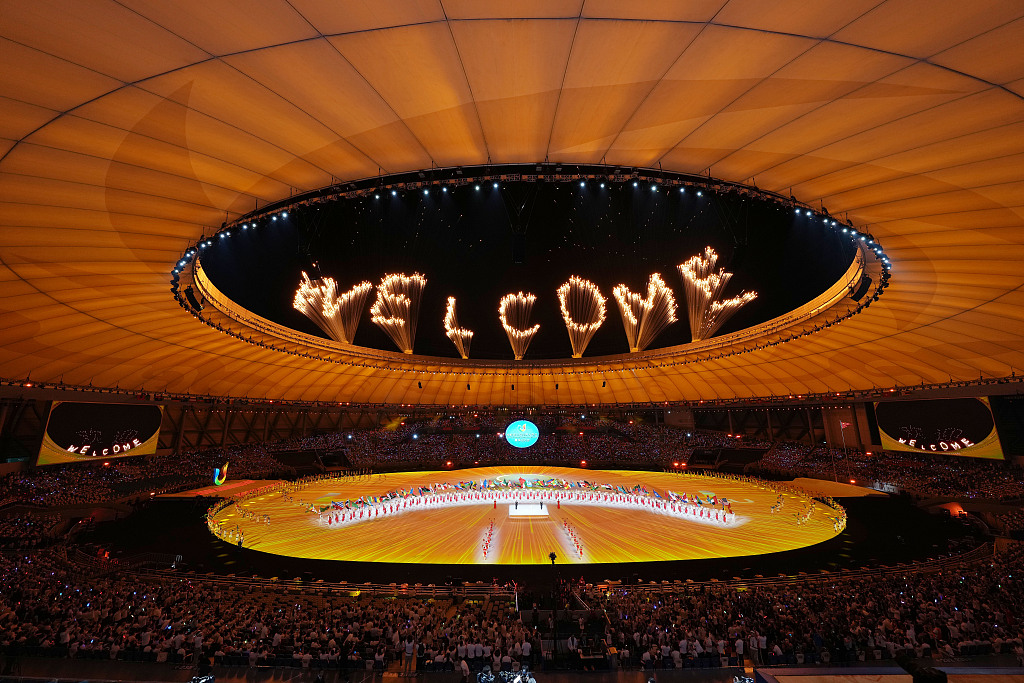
337,315
126,435
514,314
460,336
583,309
644,318
704,286
90,436
397,307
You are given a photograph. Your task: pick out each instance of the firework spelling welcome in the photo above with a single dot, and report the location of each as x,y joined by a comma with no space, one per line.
644,318
514,314
337,315
397,307
583,309
704,286
460,336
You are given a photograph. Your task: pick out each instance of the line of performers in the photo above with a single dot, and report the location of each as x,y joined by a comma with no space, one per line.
343,516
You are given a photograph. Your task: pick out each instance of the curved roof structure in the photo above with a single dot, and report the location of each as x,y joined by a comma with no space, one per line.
128,129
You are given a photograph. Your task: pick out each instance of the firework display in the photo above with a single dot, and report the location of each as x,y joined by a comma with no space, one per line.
514,314
337,315
644,318
581,304
583,309
460,336
704,286
397,307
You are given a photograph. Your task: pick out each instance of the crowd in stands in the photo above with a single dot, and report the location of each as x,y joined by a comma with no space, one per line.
571,441
1010,522
49,607
417,445
968,610
27,530
117,479
924,475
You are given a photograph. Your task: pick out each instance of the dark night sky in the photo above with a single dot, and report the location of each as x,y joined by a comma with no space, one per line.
462,241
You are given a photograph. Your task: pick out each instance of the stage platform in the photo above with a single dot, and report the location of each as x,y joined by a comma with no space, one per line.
529,510
595,528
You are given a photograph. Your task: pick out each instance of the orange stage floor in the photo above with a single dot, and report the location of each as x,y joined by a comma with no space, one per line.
232,487
457,535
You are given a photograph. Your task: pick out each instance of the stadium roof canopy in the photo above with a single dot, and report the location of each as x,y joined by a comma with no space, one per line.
128,129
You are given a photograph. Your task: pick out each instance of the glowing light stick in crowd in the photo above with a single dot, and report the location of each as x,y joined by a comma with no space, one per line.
644,318
514,314
397,307
704,286
337,315
460,336
583,309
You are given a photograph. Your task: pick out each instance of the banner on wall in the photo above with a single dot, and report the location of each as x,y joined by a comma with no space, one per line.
86,432
954,426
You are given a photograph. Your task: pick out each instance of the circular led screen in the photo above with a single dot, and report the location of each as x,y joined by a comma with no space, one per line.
522,434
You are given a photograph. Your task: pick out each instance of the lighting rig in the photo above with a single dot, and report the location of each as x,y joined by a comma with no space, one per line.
400,325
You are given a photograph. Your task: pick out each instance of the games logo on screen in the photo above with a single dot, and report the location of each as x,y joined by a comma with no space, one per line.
522,434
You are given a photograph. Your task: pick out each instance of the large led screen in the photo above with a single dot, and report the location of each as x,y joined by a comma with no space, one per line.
522,434
955,426
85,432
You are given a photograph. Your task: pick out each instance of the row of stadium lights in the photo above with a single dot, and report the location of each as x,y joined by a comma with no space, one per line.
204,243
866,239
209,242
711,405
583,184
825,219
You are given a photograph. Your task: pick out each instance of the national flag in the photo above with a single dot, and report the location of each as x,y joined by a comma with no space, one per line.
844,425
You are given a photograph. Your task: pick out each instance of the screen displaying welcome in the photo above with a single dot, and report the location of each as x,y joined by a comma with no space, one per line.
84,432
955,426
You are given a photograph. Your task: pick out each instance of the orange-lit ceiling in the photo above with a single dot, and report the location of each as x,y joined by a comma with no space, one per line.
128,129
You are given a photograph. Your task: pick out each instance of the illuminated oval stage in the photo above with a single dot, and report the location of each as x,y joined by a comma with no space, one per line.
519,515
